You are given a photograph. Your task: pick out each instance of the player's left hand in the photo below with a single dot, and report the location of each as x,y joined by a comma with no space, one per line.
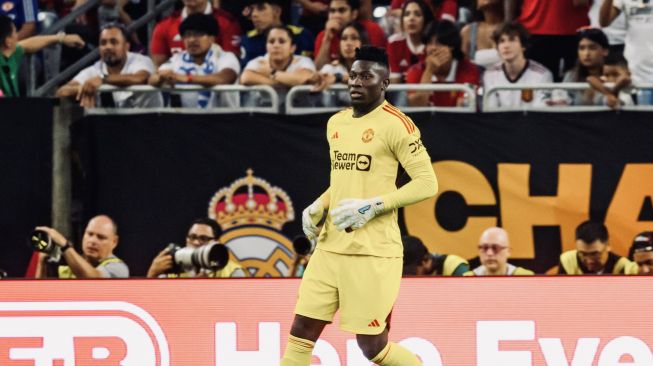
354,213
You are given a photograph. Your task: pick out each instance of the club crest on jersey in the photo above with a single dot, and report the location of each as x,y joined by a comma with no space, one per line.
252,212
368,135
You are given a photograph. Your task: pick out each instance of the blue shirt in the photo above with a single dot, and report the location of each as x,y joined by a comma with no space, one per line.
20,11
253,44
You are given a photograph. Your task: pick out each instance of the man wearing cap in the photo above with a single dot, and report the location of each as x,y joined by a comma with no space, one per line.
265,14
642,252
167,40
593,255
203,62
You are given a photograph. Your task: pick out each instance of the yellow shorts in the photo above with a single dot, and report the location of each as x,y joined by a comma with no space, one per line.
363,287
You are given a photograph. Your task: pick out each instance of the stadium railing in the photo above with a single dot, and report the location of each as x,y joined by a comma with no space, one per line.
273,106
566,87
296,92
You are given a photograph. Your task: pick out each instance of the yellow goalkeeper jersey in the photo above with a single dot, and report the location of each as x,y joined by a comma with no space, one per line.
365,155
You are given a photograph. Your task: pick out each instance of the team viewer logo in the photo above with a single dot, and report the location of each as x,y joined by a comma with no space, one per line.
80,333
252,213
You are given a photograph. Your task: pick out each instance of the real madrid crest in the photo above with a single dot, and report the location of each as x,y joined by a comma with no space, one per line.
252,212
368,135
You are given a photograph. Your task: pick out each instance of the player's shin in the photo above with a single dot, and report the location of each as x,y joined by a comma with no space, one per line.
396,355
298,352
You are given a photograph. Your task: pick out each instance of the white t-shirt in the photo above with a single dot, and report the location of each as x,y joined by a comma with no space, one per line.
297,63
124,99
215,61
616,31
533,73
639,38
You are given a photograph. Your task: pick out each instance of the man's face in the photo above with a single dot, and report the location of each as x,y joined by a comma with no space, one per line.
367,82
113,47
197,43
12,40
592,255
100,239
644,261
510,47
340,11
199,235
493,251
264,15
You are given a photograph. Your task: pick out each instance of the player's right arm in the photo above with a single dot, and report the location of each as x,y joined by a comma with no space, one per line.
312,215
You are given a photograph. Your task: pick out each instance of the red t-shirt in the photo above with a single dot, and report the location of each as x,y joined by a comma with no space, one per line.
553,17
167,41
466,73
400,56
448,9
374,33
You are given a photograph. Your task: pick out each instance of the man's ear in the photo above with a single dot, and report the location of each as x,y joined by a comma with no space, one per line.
385,83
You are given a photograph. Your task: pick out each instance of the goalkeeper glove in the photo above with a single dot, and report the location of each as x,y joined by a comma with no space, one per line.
311,216
354,213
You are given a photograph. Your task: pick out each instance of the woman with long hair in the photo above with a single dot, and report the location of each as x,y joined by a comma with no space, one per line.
478,45
406,48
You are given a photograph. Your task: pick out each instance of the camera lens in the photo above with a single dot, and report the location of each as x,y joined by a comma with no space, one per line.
40,241
302,245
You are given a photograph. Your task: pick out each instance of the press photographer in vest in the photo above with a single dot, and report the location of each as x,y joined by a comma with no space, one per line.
58,257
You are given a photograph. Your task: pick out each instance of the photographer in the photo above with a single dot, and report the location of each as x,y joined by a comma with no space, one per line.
97,259
202,232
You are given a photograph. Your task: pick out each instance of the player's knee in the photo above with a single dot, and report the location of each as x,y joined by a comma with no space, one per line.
307,328
371,346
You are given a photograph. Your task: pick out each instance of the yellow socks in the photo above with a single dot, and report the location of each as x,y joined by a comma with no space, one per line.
298,352
396,355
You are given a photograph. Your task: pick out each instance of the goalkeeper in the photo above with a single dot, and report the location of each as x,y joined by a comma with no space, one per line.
357,263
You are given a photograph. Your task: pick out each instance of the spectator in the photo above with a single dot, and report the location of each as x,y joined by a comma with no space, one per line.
406,48
511,40
201,232
553,25
419,262
12,50
440,9
352,36
203,62
641,252
117,66
23,14
97,259
639,42
342,12
166,40
592,254
314,14
615,72
616,31
494,251
444,63
478,45
265,14
280,67
593,48
112,11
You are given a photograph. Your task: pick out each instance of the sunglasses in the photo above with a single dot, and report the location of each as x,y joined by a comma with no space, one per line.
496,248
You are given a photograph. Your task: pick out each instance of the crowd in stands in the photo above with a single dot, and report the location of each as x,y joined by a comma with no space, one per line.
280,43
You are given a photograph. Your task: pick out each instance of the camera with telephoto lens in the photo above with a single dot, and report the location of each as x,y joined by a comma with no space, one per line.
213,257
40,241
302,245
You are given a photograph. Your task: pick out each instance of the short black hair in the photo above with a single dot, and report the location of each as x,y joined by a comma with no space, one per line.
372,53
414,253
616,59
283,28
446,33
202,23
118,26
512,29
215,227
6,28
591,231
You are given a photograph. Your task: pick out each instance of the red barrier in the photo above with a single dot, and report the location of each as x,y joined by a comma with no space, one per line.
579,321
